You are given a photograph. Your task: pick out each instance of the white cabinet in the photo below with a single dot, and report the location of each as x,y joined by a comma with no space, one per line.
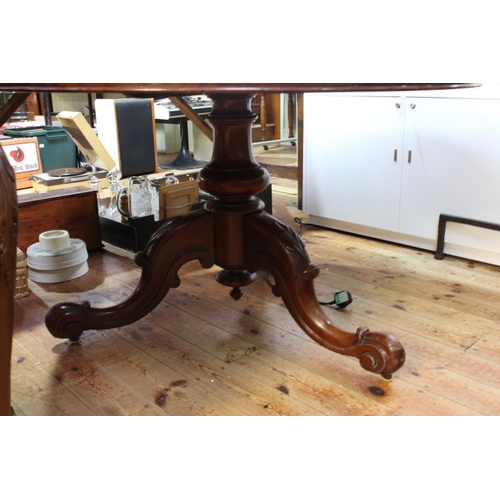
455,162
388,165
352,158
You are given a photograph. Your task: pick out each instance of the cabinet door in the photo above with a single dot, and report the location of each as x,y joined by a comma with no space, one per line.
455,163
352,158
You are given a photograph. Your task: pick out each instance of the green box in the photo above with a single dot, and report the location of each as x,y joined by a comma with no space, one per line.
57,149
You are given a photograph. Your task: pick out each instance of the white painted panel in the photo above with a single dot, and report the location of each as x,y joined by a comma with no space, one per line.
455,168
350,173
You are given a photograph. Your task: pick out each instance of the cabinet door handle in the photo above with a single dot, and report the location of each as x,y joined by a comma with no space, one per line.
413,105
398,105
409,156
395,155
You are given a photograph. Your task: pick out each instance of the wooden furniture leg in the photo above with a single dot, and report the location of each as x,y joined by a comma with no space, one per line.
8,242
176,242
263,116
274,246
291,117
233,232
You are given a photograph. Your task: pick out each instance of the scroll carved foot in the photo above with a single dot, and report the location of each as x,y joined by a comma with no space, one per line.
176,242
275,247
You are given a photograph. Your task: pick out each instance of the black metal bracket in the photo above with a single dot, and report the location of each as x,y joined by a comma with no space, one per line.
443,219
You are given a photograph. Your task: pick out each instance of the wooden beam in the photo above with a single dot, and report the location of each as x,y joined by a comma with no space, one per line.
15,100
193,116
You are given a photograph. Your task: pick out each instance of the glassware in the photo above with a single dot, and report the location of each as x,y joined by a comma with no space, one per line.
139,196
154,194
94,184
112,211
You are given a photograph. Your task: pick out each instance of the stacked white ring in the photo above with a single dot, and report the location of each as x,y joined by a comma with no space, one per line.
50,262
53,241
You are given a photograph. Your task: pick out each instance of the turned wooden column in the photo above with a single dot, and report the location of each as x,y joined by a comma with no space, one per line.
291,117
263,116
234,177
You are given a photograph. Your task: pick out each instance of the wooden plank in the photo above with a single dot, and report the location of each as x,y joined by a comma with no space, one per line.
386,267
37,392
256,367
430,348
164,386
313,357
134,371
199,365
253,306
175,319
74,369
260,361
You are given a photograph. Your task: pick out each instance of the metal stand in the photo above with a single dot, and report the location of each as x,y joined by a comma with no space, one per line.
184,160
443,219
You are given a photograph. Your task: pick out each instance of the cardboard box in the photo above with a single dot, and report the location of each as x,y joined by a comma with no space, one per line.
24,157
79,129
178,199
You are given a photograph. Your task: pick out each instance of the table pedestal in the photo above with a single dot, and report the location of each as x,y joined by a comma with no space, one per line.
233,232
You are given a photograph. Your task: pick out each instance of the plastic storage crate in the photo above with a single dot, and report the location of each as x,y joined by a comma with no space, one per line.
57,149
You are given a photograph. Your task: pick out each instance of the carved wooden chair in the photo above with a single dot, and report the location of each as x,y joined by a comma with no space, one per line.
8,256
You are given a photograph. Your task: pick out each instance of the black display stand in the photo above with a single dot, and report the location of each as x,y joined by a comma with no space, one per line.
184,160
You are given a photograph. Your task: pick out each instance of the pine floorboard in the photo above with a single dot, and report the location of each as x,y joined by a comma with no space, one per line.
202,353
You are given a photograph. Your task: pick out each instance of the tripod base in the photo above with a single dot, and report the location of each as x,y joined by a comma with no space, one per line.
233,232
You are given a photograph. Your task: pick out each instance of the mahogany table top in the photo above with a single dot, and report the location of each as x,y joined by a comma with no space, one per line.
159,89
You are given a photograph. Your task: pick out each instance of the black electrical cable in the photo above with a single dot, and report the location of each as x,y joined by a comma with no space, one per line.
299,222
340,299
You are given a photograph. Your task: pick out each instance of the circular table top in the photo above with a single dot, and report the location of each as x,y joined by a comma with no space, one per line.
170,89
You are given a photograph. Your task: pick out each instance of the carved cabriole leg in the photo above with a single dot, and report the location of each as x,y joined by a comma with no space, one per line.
275,247
248,239
176,242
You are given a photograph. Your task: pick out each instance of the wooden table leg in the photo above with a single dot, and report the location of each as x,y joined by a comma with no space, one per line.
274,246
178,241
233,232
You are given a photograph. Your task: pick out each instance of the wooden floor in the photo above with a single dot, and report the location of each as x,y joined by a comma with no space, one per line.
202,353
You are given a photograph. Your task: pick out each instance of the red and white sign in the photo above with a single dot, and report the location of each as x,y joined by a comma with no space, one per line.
24,157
